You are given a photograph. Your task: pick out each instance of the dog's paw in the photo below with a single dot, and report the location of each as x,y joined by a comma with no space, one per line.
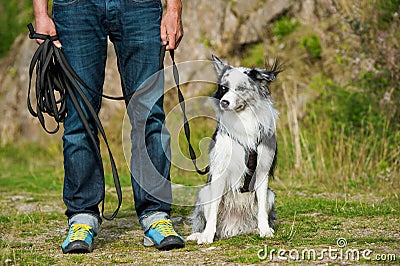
266,231
205,238
193,237
201,238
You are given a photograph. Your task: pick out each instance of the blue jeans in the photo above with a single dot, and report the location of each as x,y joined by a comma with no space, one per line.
134,28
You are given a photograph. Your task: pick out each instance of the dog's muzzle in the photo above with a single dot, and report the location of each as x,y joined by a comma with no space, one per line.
227,106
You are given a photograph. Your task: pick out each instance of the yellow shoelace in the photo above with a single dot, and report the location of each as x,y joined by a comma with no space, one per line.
164,227
79,232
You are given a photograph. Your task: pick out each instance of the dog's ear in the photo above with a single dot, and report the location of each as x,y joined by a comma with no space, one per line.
262,78
219,65
262,75
268,74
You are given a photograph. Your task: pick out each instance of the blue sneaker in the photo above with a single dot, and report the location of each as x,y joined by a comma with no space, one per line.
79,239
163,236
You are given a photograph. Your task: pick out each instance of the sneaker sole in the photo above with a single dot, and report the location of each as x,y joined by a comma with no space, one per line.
171,242
77,247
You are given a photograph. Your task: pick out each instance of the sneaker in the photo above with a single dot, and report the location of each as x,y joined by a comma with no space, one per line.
163,236
79,239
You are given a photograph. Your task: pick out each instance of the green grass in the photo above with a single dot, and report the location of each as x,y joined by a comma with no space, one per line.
23,172
33,225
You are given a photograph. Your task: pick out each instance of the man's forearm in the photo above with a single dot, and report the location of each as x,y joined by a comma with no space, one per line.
40,8
171,24
174,5
44,24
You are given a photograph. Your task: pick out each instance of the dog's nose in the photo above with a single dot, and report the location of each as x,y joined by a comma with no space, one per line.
224,103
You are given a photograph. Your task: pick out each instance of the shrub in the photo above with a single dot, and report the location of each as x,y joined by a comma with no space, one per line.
284,26
15,15
312,45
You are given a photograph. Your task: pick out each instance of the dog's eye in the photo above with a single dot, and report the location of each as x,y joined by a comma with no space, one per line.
223,89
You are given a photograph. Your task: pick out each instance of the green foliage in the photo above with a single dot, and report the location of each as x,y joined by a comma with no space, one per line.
313,46
254,56
207,42
376,84
347,134
357,107
284,27
350,108
359,27
15,15
385,12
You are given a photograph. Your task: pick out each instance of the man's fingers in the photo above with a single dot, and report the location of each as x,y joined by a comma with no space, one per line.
45,26
164,39
171,42
178,39
171,29
39,41
163,32
57,44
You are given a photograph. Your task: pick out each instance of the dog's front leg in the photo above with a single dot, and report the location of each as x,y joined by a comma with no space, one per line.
211,212
265,200
263,206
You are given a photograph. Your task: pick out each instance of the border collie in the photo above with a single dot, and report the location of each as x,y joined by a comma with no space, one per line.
236,199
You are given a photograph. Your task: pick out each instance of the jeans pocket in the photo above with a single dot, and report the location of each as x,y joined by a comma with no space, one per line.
64,2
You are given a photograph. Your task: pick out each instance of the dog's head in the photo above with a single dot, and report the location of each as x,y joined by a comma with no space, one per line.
238,87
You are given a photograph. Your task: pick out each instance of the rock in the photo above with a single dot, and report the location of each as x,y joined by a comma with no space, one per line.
254,27
219,27
15,120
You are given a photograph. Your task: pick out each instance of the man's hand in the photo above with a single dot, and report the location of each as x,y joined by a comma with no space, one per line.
44,24
171,25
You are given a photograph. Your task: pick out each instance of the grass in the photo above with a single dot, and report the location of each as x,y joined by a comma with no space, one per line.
33,225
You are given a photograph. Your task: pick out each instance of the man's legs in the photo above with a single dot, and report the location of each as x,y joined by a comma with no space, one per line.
134,27
84,41
137,42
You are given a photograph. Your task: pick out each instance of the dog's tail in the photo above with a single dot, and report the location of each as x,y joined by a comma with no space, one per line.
272,214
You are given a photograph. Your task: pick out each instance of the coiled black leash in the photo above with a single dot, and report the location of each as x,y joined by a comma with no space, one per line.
54,79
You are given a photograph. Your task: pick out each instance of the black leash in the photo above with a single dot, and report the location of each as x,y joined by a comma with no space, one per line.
186,126
54,76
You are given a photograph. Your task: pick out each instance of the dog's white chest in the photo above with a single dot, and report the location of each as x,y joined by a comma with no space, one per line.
227,160
242,126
